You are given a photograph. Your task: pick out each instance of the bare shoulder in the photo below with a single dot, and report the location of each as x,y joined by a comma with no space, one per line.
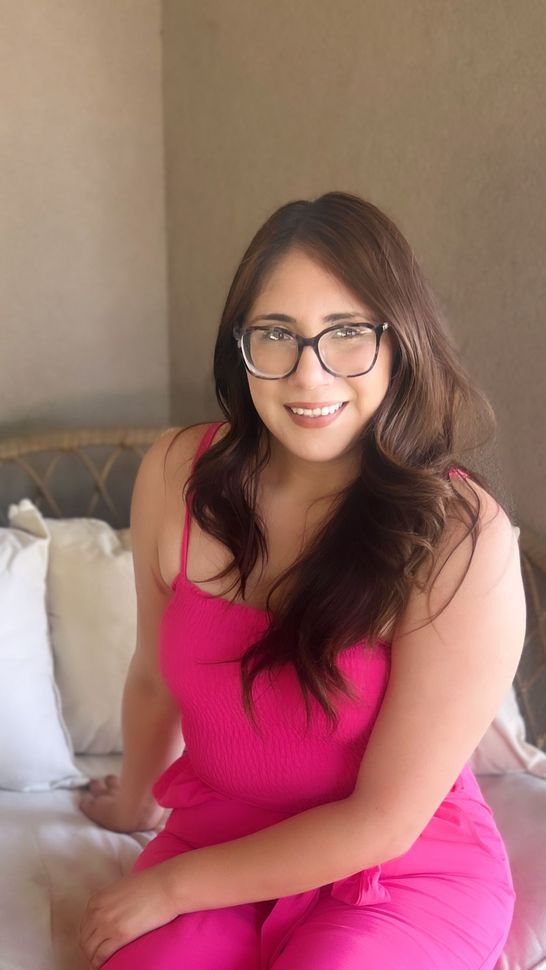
468,562
171,454
164,466
157,503
494,526
488,506
174,449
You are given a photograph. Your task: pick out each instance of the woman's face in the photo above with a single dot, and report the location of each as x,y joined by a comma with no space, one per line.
300,288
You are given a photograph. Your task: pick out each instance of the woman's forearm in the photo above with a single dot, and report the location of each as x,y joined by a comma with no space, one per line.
307,850
151,740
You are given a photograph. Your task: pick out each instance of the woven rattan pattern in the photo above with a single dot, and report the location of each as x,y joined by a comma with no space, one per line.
83,472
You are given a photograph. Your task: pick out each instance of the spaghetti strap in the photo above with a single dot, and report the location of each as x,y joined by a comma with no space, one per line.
201,448
459,471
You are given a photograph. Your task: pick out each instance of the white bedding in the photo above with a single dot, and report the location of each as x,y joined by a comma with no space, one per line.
52,857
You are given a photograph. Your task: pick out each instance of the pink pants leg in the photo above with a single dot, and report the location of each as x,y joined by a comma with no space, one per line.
213,939
438,922
417,928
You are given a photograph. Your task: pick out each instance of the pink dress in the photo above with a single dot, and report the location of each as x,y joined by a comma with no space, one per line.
446,904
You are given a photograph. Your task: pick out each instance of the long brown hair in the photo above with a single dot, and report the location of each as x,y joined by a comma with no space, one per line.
355,577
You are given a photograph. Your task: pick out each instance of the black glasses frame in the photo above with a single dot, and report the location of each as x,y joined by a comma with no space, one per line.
239,332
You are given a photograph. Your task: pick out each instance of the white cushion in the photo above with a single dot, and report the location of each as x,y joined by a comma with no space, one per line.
504,747
91,602
518,802
35,747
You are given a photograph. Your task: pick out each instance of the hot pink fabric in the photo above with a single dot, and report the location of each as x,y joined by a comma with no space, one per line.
446,903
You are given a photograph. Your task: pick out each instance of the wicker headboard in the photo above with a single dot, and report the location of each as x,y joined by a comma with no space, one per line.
87,472
90,472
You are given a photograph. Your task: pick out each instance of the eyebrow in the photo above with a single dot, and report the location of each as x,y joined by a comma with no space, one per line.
330,318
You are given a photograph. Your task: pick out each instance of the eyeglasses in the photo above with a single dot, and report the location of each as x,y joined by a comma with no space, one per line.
344,351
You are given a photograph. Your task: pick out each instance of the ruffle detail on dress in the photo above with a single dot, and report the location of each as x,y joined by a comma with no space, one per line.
163,783
362,888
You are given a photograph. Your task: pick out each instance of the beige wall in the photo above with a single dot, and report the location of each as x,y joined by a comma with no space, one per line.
82,241
433,111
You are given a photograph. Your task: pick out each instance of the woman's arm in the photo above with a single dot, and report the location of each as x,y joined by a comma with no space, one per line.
150,715
449,678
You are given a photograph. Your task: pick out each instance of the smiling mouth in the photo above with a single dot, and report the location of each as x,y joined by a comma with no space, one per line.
318,411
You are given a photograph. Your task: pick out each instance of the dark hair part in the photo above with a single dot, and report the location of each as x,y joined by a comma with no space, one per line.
355,577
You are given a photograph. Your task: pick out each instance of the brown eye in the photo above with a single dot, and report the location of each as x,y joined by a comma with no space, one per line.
276,334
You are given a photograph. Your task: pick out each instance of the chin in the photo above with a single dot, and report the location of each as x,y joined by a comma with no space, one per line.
317,450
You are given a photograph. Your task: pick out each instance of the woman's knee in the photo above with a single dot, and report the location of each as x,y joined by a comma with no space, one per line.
226,939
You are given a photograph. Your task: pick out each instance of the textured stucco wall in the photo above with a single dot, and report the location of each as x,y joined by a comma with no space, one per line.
433,111
82,246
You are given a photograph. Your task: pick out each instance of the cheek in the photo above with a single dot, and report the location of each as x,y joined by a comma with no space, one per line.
255,390
263,395
370,393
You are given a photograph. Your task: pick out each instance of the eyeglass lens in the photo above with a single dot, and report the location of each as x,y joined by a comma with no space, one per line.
273,352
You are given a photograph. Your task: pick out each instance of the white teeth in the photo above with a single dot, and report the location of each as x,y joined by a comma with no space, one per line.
316,412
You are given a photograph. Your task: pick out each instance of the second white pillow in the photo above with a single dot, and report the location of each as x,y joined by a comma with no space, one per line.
91,604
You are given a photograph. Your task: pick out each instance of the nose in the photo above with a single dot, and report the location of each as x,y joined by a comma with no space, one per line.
310,372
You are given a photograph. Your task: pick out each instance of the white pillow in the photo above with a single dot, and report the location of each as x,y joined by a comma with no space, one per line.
91,602
504,748
35,748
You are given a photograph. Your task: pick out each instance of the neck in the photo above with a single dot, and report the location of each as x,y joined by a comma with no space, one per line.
308,481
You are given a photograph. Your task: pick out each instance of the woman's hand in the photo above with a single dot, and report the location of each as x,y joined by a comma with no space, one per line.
124,910
105,805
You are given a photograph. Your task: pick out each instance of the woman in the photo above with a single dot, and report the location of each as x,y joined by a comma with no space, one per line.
354,618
